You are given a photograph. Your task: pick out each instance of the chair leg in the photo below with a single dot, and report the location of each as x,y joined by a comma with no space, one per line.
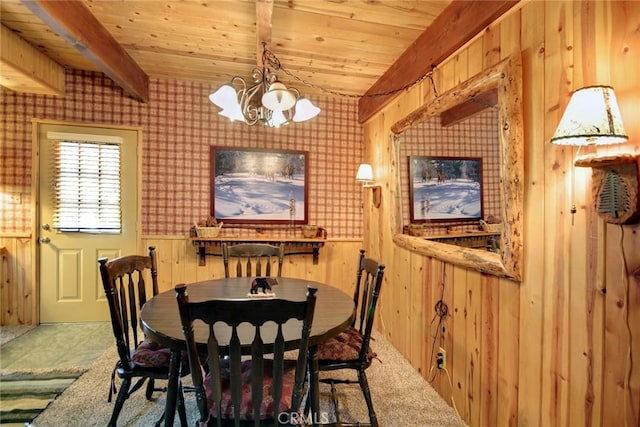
160,420
182,412
364,385
123,394
334,402
150,388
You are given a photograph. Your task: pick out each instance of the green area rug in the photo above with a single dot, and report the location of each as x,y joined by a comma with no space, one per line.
24,395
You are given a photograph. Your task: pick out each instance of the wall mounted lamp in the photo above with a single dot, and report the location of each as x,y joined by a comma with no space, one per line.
592,117
365,175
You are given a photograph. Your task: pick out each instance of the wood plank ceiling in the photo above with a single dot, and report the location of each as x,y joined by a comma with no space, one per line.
340,48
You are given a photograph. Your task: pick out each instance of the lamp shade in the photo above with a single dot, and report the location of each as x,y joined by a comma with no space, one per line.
278,97
224,97
592,117
233,113
365,173
305,110
277,119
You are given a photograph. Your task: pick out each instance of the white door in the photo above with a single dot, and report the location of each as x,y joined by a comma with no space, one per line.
70,286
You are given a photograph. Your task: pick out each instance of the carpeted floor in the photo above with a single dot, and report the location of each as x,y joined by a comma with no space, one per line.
37,364
401,396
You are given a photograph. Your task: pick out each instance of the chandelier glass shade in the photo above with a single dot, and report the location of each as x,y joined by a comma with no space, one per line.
265,100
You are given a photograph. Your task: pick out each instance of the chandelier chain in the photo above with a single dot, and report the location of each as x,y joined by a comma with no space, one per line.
269,59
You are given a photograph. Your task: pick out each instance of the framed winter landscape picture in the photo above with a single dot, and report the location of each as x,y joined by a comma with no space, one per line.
259,186
445,189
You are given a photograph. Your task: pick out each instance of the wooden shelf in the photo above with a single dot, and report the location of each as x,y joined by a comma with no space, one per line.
292,246
477,240
616,188
602,161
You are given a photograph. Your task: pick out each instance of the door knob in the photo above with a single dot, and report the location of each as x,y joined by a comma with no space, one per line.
44,240
46,227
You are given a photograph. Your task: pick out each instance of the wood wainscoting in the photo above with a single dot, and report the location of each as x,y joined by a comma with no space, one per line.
177,263
17,296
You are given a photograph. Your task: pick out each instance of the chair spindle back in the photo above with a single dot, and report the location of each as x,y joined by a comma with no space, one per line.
125,284
247,256
227,316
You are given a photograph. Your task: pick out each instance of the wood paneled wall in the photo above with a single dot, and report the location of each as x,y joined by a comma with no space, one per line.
17,293
561,348
177,263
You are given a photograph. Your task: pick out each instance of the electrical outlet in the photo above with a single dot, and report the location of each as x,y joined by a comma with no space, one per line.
441,358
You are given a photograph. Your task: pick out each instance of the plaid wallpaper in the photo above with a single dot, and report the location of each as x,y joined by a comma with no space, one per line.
474,137
179,125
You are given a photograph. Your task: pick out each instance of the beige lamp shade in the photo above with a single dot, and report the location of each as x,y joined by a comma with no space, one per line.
365,173
592,117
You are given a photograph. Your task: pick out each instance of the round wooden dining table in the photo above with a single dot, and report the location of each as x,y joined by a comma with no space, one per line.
161,322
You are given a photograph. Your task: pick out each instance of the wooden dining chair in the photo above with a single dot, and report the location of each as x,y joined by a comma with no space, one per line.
247,258
258,390
351,349
127,281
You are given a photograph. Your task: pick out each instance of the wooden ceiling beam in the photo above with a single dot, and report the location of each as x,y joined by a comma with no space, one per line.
23,68
264,13
74,22
454,27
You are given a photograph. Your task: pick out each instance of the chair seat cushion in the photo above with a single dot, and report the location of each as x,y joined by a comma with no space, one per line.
344,347
150,354
267,410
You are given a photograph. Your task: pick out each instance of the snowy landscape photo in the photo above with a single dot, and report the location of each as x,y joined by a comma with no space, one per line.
445,188
265,186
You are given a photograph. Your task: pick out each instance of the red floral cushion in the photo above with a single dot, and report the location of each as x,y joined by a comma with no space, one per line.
267,410
153,355
344,347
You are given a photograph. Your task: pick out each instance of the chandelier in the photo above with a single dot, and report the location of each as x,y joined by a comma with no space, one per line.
266,101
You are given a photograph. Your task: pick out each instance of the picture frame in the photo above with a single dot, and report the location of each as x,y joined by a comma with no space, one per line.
445,189
259,186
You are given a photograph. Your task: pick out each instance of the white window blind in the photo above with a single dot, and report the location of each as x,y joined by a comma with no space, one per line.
87,186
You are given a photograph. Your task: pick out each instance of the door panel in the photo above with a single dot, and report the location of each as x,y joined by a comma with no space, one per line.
70,284
69,278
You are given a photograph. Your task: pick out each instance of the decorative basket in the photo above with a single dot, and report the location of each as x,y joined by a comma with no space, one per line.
309,231
207,231
418,230
491,228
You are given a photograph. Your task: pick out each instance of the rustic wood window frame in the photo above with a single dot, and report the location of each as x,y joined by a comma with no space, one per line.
506,77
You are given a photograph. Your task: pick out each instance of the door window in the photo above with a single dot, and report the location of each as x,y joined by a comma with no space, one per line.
87,187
